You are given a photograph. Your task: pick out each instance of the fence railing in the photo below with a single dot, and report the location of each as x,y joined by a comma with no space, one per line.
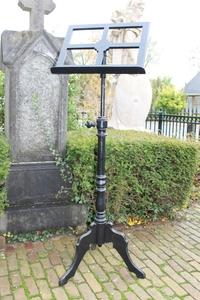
182,126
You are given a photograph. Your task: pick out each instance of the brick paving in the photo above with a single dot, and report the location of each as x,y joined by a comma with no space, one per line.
168,252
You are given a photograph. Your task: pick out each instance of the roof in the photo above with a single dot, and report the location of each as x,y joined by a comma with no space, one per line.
193,86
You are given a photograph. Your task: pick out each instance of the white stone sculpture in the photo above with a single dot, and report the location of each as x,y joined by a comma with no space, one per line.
132,94
132,102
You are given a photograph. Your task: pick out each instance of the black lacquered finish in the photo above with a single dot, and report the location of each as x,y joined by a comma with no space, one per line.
114,69
101,231
101,47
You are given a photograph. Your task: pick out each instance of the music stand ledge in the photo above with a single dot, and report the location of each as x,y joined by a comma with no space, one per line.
101,231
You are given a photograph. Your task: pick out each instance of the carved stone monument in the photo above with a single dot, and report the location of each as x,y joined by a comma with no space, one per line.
35,124
132,94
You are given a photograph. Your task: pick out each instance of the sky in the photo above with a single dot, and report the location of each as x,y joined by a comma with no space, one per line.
174,27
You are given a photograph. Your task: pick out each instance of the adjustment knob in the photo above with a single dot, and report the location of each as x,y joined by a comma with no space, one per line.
90,124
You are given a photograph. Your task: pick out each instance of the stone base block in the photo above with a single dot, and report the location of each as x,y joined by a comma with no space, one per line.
40,218
34,184
33,204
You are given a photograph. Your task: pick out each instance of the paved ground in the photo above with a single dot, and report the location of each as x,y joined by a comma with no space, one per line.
169,253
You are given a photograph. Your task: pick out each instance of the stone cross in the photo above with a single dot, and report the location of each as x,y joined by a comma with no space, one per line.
37,9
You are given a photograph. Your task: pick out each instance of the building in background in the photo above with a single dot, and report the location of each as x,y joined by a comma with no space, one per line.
192,91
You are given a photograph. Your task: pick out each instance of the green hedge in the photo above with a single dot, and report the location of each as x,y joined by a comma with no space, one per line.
4,167
148,176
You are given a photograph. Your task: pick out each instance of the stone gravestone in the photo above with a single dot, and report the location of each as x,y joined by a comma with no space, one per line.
35,124
132,93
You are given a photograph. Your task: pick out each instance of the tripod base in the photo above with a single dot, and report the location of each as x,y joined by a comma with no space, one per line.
108,235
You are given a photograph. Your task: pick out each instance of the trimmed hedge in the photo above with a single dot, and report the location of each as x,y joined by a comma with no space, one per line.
4,167
148,176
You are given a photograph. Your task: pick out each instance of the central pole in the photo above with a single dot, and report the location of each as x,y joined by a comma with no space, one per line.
101,177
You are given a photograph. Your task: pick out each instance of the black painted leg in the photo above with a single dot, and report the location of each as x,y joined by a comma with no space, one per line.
121,245
82,247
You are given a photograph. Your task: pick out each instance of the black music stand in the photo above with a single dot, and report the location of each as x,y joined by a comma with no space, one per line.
101,231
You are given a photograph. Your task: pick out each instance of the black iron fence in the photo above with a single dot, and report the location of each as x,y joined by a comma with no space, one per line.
182,126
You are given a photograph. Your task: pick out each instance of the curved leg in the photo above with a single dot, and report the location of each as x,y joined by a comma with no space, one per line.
121,245
82,247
